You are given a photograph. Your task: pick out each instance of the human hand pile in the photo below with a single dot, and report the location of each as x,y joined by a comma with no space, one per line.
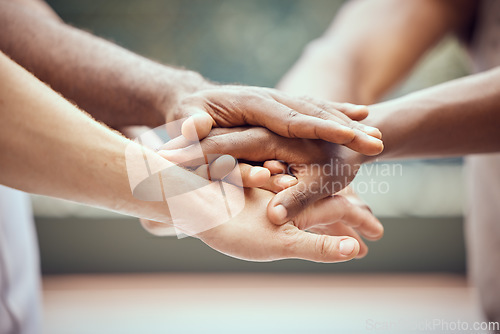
296,155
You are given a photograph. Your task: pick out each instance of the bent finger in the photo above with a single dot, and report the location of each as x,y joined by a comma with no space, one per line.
197,125
279,182
248,175
275,166
290,202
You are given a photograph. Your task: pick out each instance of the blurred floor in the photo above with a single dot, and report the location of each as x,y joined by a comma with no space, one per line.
257,303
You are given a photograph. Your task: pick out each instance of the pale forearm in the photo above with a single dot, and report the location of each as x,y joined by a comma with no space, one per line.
452,119
49,147
116,86
371,46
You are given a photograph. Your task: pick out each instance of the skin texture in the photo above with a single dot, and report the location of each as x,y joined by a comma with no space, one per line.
121,88
64,153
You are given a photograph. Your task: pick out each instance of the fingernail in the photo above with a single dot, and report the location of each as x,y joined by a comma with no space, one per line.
281,212
370,128
286,180
257,170
230,158
360,106
372,139
347,246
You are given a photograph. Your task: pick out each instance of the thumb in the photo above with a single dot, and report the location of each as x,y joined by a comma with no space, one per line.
353,111
198,124
289,202
322,248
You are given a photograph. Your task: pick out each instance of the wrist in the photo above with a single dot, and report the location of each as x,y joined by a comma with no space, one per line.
177,85
385,116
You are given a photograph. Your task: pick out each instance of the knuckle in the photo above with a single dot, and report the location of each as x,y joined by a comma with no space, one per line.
299,198
350,123
288,239
321,110
257,133
291,116
291,113
323,246
307,98
212,145
252,98
194,99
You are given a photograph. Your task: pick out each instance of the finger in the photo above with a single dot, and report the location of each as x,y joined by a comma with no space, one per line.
370,130
319,248
189,156
279,182
203,171
290,202
240,144
157,228
252,176
366,144
355,112
339,209
275,166
358,113
345,114
290,123
339,229
198,125
351,112
221,167
361,141
176,143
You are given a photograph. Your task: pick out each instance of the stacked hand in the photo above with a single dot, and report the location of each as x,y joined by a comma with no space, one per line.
287,116
310,148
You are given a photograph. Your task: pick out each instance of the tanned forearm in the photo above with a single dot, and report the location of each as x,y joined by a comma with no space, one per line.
116,86
452,119
371,46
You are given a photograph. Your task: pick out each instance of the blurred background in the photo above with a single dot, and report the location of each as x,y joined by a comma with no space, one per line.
254,42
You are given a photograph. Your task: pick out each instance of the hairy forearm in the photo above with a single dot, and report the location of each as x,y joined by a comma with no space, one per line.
452,119
371,46
116,86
